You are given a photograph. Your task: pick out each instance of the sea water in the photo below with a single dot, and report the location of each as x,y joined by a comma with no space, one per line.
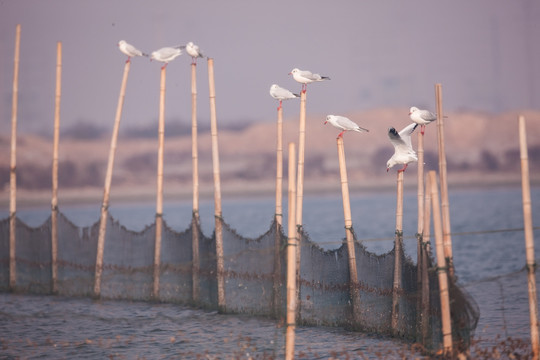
488,248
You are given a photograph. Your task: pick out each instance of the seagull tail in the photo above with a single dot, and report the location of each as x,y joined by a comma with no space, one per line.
296,95
325,78
145,54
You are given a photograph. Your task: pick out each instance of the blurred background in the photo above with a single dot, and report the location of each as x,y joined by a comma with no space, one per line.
382,58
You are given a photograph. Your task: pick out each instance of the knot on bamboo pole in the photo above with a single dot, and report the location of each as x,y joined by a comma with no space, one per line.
531,268
399,233
441,269
218,217
299,228
54,207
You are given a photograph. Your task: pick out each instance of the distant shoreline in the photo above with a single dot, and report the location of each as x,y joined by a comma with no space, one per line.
243,189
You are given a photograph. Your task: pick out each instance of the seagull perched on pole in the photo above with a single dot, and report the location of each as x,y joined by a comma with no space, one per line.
279,93
129,50
166,55
305,77
421,117
403,150
343,123
193,50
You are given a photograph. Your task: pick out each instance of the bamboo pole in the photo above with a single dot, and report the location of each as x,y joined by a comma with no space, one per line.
420,225
195,224
217,188
529,237
442,266
54,200
12,170
398,244
159,198
425,257
107,186
353,270
279,212
445,205
300,185
292,245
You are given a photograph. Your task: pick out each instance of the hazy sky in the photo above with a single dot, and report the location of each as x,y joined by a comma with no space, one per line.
486,54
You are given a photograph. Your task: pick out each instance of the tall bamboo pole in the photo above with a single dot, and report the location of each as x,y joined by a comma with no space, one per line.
300,184
292,245
195,221
279,212
425,257
529,236
420,225
159,197
54,201
445,204
107,187
442,266
217,188
12,170
398,244
353,270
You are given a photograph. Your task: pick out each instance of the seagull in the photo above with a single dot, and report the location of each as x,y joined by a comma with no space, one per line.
193,50
166,55
279,93
421,117
344,124
403,151
129,50
305,77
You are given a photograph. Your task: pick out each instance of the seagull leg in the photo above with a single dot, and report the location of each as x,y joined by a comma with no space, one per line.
304,88
128,59
279,107
340,135
402,170
164,66
422,129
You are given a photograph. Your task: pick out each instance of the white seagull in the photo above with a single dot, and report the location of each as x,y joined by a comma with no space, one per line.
343,123
305,77
166,55
129,50
421,117
279,93
403,151
193,50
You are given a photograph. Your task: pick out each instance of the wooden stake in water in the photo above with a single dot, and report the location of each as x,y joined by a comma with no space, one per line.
398,244
292,245
195,221
445,205
54,201
424,269
217,188
159,198
279,212
529,237
420,226
12,170
107,188
355,294
442,266
300,183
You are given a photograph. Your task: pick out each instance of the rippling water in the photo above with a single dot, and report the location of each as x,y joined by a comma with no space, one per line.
52,327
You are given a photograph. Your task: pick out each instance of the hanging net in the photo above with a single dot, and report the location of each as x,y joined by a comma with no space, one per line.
253,277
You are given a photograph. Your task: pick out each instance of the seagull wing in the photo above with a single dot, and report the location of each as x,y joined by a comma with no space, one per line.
405,134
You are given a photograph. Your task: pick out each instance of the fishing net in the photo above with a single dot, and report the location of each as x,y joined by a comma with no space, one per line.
253,276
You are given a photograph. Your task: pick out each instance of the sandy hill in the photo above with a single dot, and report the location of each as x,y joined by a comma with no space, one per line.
481,147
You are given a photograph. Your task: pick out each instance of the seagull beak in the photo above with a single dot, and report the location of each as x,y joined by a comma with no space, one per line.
290,73
387,169
325,122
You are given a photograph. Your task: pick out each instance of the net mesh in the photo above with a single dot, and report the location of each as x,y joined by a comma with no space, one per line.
254,276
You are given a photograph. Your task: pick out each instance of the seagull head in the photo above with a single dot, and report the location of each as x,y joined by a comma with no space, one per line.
294,71
412,109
